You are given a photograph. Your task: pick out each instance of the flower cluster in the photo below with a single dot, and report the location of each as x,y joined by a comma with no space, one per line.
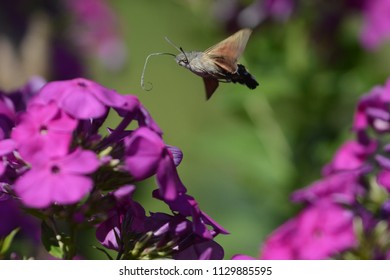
375,27
346,213
92,33
56,161
52,39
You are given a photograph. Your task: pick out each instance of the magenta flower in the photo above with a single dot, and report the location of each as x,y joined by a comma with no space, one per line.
372,110
279,9
168,235
12,217
187,206
318,232
383,179
43,130
80,98
60,180
203,250
132,108
6,147
351,155
146,154
55,157
179,231
91,33
243,258
7,116
341,187
376,27
127,217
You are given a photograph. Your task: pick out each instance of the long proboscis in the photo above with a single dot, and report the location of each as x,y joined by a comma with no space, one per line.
143,71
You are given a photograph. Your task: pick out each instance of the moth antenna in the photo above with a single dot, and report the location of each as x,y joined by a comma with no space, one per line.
170,42
185,55
179,49
143,71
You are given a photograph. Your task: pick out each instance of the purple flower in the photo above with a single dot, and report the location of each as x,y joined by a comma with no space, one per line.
372,110
351,155
7,116
91,33
235,16
376,27
80,98
243,257
318,232
22,96
145,155
201,250
6,147
44,130
133,109
61,180
12,217
160,234
342,187
187,206
279,9
383,179
127,217
385,210
178,230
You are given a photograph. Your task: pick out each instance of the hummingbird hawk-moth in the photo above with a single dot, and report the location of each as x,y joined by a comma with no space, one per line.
218,63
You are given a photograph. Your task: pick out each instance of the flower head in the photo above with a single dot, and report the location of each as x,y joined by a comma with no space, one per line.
341,187
61,180
127,217
146,154
80,98
318,232
376,27
44,130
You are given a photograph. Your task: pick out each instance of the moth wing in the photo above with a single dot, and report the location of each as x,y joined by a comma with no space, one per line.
210,86
226,53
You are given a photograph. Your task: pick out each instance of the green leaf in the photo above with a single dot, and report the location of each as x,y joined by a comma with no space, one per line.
6,242
50,241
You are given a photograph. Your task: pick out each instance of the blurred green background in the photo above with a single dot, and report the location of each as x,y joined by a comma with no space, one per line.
245,151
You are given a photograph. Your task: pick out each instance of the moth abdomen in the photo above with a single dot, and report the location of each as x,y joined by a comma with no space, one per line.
242,76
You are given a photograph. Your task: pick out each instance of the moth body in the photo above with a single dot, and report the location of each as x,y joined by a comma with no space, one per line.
218,63
199,64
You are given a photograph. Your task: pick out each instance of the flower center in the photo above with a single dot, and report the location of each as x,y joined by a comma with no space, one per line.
55,169
43,130
82,84
317,233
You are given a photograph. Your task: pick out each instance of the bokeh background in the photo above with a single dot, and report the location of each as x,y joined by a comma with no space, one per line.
244,151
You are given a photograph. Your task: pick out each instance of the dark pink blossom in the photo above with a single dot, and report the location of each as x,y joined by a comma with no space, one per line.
178,230
146,154
318,232
243,257
342,187
44,130
187,206
351,155
91,33
372,110
376,26
127,217
60,180
80,98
